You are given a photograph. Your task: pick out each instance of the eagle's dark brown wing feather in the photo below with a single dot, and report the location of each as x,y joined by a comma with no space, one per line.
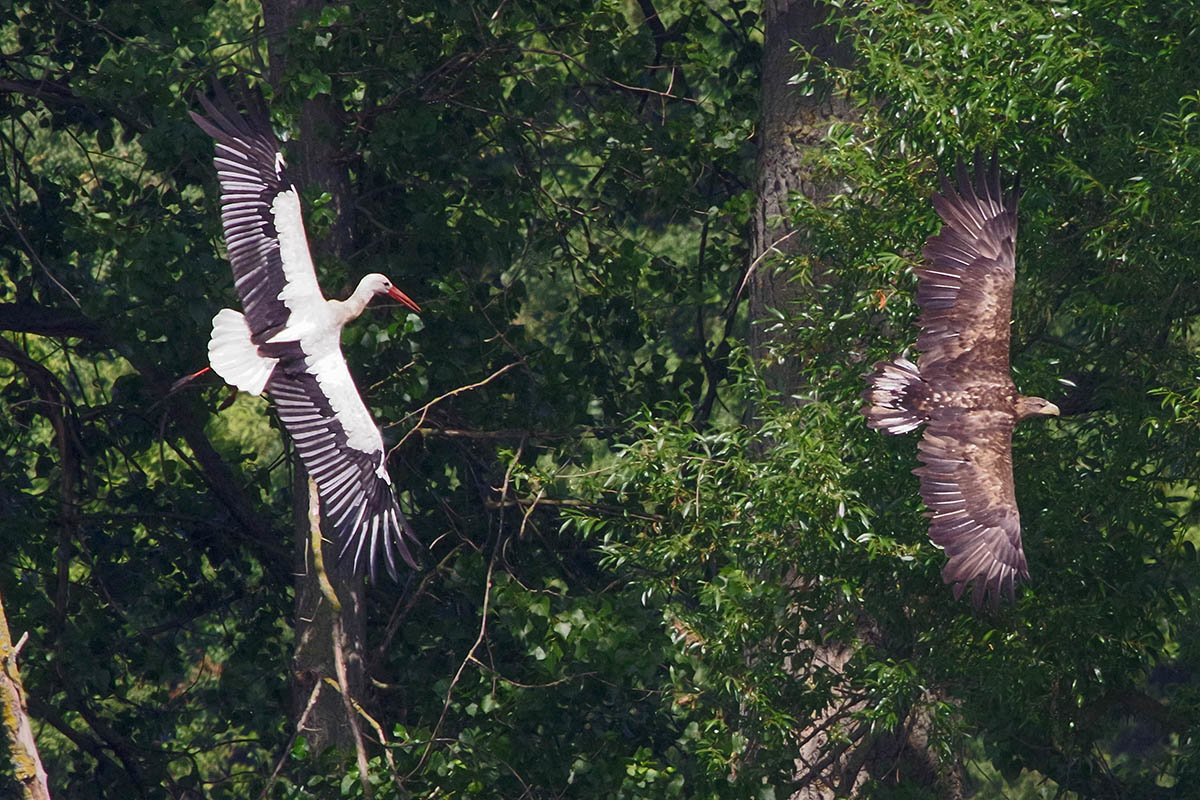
965,286
967,485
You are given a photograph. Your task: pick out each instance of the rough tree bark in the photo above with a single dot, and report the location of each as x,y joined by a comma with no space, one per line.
838,756
793,124
27,764
317,163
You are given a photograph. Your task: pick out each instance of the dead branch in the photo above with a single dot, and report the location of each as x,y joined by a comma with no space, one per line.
338,636
27,764
308,707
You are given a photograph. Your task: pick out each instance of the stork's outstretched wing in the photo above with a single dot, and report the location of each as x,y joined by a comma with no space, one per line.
260,214
343,453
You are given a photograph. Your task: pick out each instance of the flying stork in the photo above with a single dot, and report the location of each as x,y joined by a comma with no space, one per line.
287,341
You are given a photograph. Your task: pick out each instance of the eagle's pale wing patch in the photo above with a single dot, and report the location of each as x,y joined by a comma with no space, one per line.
967,485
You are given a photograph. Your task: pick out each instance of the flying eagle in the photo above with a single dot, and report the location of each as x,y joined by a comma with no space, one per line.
961,387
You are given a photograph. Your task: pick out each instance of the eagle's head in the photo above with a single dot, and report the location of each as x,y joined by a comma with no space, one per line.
1035,407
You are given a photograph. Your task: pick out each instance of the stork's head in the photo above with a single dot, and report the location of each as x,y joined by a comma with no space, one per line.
1035,407
375,283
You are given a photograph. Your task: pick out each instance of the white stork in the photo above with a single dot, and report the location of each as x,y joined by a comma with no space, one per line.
288,340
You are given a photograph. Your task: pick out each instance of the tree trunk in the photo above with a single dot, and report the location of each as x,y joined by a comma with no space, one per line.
316,162
326,723
26,763
839,757
793,124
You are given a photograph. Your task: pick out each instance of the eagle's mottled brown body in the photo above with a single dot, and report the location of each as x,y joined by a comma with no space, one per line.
961,388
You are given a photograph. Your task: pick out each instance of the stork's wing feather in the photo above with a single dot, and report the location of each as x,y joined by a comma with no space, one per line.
967,484
347,465
260,213
965,286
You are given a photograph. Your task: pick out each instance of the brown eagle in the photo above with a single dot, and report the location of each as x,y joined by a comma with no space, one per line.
961,387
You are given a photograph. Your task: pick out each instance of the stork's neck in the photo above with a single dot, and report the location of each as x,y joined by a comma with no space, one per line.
349,309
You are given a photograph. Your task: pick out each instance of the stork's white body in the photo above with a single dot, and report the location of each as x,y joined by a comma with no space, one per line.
288,342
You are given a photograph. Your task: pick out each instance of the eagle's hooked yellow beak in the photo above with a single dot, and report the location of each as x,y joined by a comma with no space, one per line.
1050,410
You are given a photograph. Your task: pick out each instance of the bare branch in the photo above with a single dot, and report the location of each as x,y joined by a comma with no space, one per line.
483,614
424,410
308,707
338,637
43,321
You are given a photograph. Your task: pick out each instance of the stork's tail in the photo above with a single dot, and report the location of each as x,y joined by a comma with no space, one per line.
234,356
895,396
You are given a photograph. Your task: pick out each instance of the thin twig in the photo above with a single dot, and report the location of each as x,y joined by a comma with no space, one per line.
772,249
483,619
510,433
424,410
616,511
308,707
405,606
29,248
387,751
655,92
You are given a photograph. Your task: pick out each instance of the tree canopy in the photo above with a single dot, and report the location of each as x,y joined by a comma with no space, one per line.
641,562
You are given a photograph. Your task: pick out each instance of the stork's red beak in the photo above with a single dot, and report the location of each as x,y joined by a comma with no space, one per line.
396,294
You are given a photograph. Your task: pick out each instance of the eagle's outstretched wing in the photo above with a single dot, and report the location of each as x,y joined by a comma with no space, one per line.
965,286
967,485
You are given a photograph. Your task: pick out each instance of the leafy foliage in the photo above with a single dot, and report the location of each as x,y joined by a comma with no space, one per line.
1100,320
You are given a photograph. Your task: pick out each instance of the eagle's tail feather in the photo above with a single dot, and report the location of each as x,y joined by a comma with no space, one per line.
895,395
